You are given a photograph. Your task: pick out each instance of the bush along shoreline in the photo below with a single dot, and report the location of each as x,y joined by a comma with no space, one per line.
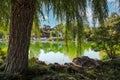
81,68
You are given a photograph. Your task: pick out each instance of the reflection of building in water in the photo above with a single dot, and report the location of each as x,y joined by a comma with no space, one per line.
56,38
43,39
59,45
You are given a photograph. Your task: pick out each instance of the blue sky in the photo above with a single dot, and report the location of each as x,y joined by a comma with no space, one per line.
113,6
50,20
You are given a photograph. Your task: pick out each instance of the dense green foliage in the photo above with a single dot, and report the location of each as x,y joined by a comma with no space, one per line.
63,10
107,36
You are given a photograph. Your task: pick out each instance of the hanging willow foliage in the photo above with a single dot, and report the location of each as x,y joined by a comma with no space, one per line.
4,14
75,10
64,10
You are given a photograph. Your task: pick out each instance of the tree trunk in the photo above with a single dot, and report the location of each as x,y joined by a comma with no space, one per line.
22,13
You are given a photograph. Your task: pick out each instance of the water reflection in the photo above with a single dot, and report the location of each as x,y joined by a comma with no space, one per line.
91,54
53,57
61,58
56,52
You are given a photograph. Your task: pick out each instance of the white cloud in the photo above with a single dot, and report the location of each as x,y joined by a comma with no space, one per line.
89,15
46,18
111,0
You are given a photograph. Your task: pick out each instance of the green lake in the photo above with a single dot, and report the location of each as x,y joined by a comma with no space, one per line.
56,52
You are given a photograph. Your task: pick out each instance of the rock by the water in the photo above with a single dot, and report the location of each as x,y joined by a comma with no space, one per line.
86,62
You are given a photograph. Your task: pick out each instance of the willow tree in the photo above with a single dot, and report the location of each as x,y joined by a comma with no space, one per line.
23,13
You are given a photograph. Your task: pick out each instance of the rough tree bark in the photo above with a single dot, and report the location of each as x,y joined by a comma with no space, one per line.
22,13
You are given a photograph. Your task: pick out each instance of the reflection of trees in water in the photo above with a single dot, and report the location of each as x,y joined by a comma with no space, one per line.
57,47
72,50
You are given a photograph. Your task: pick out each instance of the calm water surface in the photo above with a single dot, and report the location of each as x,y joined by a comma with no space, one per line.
53,52
56,53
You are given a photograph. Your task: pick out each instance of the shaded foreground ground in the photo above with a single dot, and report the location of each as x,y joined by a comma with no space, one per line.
82,68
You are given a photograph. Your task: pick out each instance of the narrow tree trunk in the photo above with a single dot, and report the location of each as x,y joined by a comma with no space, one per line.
22,12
